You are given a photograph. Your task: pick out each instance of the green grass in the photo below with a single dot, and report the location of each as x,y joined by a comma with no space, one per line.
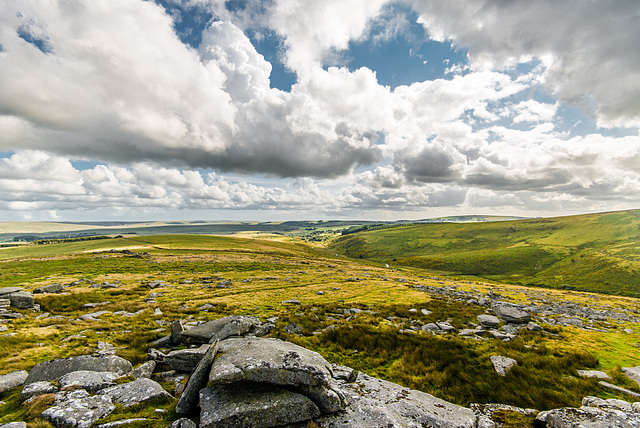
595,252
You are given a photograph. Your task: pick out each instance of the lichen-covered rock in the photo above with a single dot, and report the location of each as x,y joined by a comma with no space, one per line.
145,370
270,361
632,373
197,380
588,417
54,369
502,364
132,393
594,374
88,380
78,409
185,360
51,288
219,329
37,388
8,290
251,405
20,299
488,320
512,314
378,403
14,425
183,423
13,379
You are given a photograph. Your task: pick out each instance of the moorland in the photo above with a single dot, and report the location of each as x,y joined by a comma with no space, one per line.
359,298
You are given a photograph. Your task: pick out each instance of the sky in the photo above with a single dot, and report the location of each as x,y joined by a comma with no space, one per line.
317,109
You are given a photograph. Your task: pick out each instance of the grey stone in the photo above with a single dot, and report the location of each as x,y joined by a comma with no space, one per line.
197,380
14,425
261,330
37,388
343,373
488,320
502,364
533,327
185,360
513,314
54,369
120,423
291,302
293,328
5,303
430,327
378,403
183,423
163,342
88,380
251,405
12,379
51,288
268,360
329,399
445,326
8,290
176,330
219,329
20,299
588,417
594,373
78,409
619,389
425,311
632,373
132,393
144,370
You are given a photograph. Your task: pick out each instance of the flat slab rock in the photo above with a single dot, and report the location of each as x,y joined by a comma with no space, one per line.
512,314
13,379
78,409
632,373
252,405
594,374
270,361
588,417
88,380
220,329
55,369
132,393
502,365
378,403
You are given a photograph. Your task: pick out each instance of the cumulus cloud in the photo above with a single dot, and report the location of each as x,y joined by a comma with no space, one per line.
588,47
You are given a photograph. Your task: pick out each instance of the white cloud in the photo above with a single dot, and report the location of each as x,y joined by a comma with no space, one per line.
588,47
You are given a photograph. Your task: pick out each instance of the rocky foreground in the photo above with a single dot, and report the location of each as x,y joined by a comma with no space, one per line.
229,375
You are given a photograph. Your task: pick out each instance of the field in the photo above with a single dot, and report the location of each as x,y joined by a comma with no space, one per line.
354,312
596,252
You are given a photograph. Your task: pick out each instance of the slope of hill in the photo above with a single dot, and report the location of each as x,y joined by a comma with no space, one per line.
593,252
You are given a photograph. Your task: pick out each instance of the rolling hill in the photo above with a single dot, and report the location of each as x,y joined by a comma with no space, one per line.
592,252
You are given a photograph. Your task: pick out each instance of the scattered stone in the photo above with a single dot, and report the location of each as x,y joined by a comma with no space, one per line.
54,369
488,320
157,312
293,328
14,425
89,381
119,423
619,389
430,327
78,409
51,288
12,379
533,326
132,393
3,328
320,293
95,305
144,370
632,373
425,312
37,388
502,364
197,380
587,417
445,326
176,330
183,423
253,405
594,374
628,331
512,314
291,302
